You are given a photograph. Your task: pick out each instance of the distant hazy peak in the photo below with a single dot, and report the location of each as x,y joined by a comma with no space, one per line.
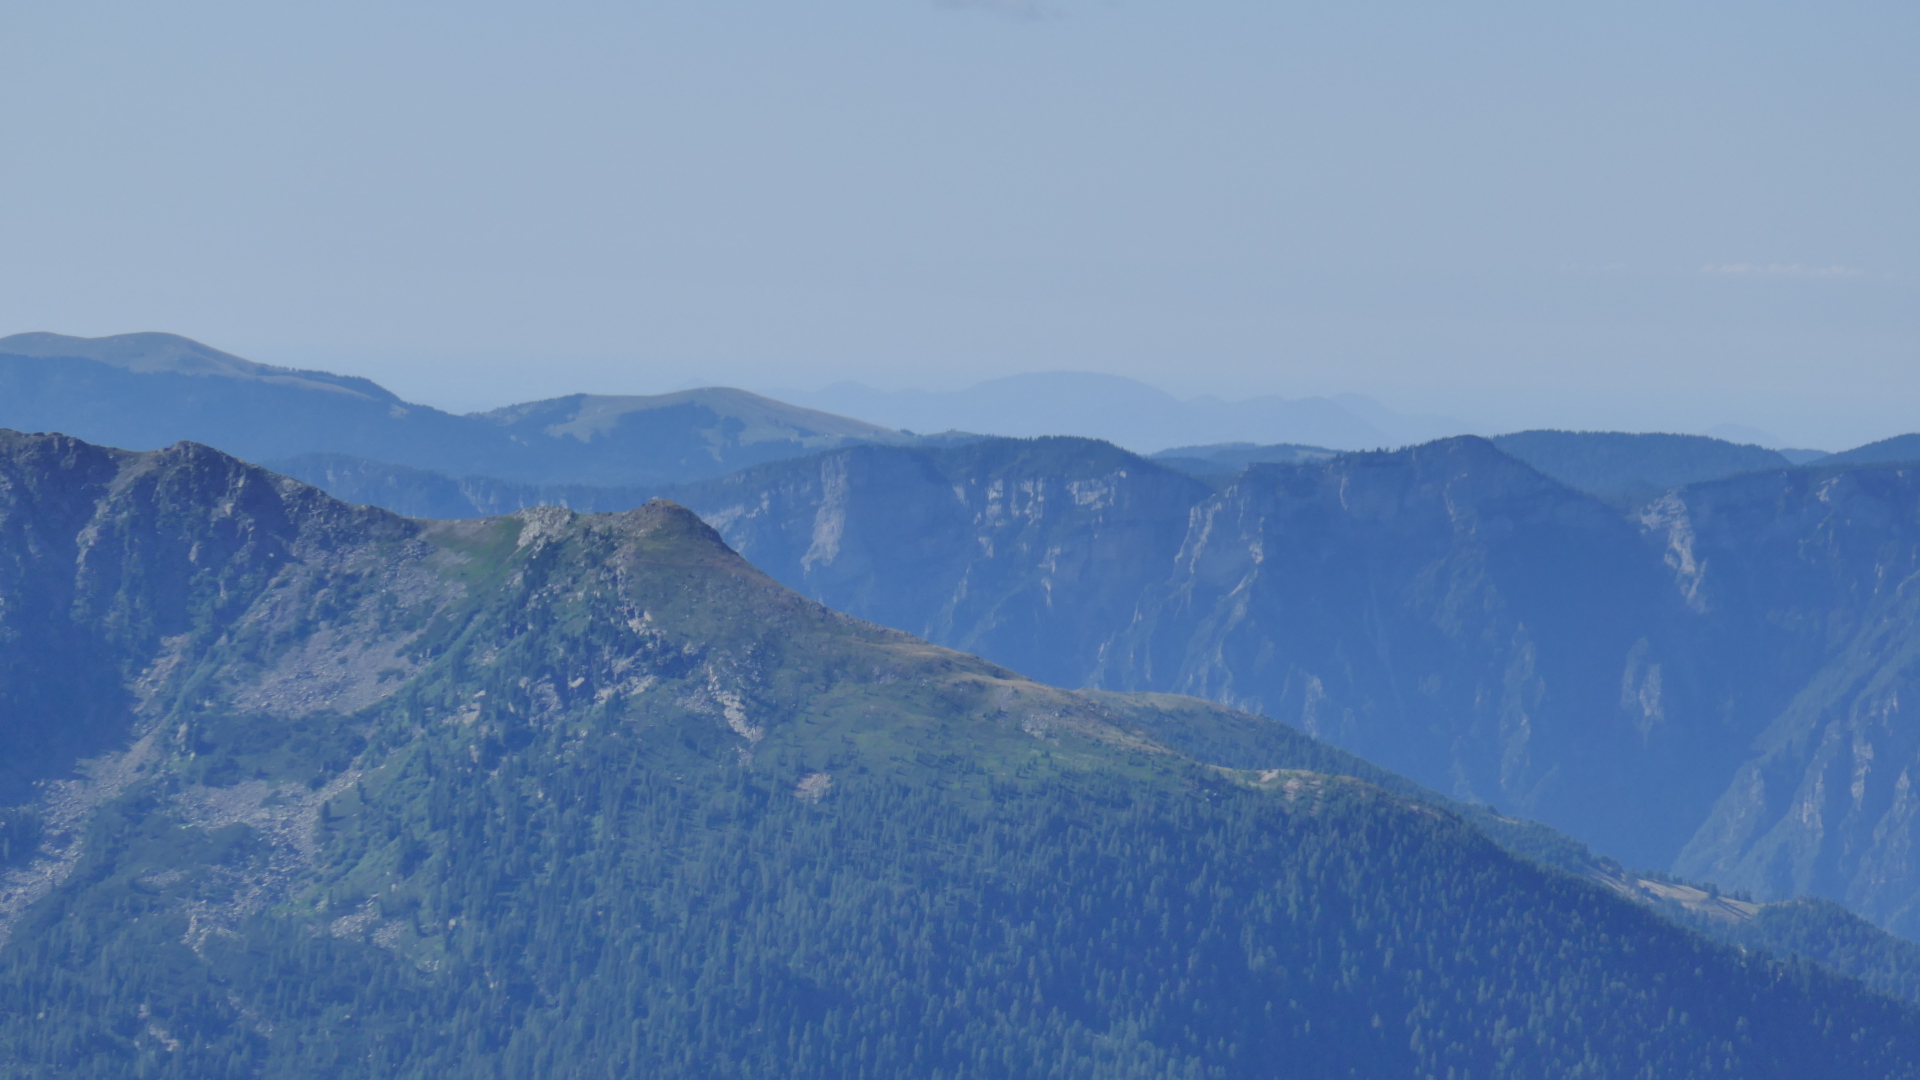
170,354
1477,450
583,416
1238,455
1626,437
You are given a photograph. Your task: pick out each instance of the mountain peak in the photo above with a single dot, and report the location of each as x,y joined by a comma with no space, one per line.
659,531
585,417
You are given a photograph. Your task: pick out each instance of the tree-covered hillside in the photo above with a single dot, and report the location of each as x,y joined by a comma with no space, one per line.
559,795
1629,469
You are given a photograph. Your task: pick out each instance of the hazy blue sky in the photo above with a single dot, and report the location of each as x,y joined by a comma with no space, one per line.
1631,215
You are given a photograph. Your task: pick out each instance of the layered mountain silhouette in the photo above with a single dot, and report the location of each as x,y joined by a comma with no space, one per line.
1900,448
1630,469
1708,682
1129,413
1622,468
348,794
151,390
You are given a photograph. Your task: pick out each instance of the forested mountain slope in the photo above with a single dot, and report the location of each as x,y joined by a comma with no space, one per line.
1230,459
566,796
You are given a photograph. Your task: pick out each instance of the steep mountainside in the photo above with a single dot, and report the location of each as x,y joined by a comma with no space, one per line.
1028,548
149,390
1444,610
566,796
1809,578
1448,612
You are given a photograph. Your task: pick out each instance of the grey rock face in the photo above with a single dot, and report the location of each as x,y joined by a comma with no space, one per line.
1809,583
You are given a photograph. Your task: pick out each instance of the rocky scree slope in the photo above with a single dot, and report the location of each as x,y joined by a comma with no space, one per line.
566,795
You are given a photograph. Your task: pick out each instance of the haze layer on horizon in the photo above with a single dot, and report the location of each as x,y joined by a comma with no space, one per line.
1642,217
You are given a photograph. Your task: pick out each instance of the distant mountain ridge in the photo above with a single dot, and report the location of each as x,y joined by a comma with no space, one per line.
1230,459
171,354
1130,413
1629,469
1622,468
1900,448
151,390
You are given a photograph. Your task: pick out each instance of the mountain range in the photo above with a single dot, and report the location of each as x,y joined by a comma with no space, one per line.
1130,413
297,788
1588,662
146,391
1448,611
1622,468
150,390
1710,684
